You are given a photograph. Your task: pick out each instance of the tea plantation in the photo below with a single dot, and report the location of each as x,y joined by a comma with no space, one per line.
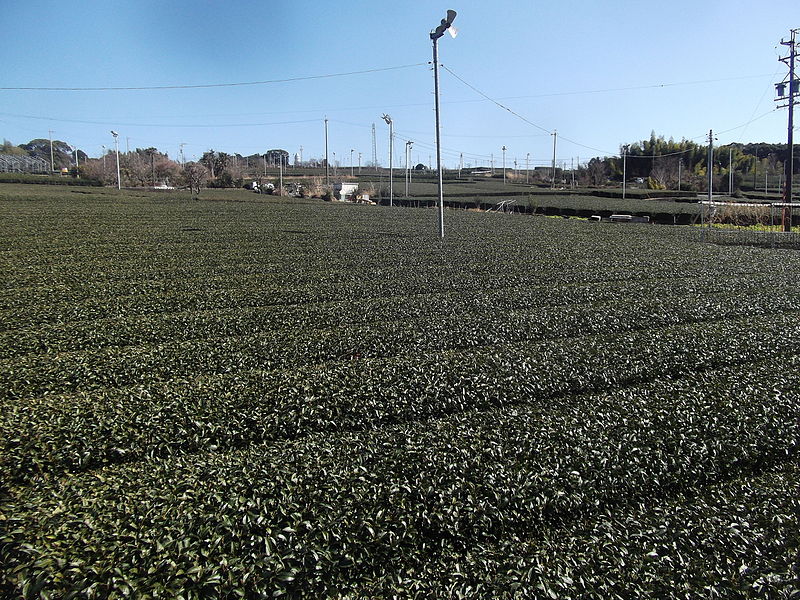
252,397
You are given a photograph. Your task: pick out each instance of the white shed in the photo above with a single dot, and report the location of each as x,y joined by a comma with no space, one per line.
344,190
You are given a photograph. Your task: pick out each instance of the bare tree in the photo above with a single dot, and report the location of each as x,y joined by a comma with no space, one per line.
194,176
167,171
665,172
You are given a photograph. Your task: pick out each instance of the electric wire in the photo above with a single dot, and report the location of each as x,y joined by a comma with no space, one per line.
115,123
207,85
519,116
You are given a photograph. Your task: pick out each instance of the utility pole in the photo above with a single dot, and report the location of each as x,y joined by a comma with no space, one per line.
183,159
680,165
555,138
794,90
52,162
755,171
351,161
572,171
327,169
460,164
710,173
359,163
730,171
301,156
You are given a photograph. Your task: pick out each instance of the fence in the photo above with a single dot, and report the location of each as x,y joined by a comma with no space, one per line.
763,224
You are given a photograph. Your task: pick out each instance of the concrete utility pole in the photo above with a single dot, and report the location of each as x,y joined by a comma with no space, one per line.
359,163
389,122
730,171
52,162
555,138
351,161
710,171
572,172
504,165
794,90
680,165
301,156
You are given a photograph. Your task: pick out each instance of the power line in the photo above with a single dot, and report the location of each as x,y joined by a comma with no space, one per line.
519,116
635,87
157,124
206,85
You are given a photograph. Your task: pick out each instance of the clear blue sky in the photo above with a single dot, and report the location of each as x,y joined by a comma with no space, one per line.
601,73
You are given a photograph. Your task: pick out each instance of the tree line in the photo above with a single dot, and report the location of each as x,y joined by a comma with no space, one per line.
149,167
658,162
664,163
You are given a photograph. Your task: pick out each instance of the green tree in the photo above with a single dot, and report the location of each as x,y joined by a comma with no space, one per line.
40,148
9,148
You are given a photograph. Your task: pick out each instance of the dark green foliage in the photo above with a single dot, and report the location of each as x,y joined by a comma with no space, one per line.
48,180
257,398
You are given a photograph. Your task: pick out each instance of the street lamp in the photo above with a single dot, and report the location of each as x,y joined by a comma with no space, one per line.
624,168
409,143
504,165
116,147
445,25
388,120
527,166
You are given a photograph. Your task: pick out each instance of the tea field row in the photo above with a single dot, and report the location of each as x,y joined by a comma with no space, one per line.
247,397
